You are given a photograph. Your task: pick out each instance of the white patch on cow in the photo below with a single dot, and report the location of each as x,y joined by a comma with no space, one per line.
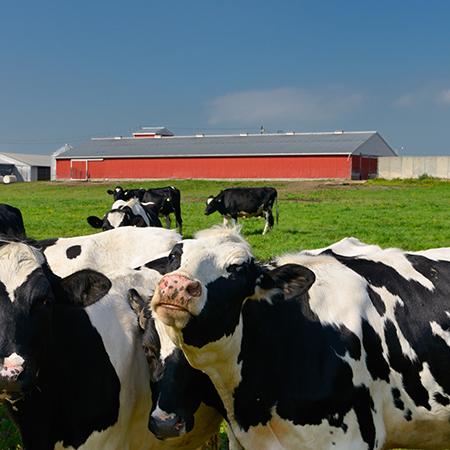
349,246
13,360
17,262
439,331
115,218
167,344
111,250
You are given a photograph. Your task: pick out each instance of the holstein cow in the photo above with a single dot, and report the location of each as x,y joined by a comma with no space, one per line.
244,202
11,221
127,213
320,351
72,372
166,199
108,251
180,392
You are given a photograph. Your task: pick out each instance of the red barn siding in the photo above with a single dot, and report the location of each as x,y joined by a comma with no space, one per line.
216,167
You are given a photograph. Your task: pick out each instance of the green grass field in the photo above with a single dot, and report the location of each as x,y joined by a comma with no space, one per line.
413,215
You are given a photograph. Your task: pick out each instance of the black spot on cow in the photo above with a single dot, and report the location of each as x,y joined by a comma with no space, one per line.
73,252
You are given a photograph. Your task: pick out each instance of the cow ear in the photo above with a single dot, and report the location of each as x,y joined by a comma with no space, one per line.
293,279
95,222
84,288
137,303
110,192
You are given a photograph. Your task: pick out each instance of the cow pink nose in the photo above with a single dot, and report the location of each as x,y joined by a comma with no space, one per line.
11,371
181,284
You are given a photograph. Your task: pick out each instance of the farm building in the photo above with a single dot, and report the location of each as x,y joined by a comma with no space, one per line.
24,167
154,153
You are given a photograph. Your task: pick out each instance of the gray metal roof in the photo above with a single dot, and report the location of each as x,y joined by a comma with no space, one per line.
288,144
27,159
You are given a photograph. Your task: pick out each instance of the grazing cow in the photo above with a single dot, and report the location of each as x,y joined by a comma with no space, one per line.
11,221
244,202
72,372
127,213
166,199
108,251
316,351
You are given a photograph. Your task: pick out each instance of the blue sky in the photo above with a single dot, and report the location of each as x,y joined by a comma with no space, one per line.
72,70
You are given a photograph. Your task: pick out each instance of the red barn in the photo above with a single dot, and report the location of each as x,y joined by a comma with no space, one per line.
154,153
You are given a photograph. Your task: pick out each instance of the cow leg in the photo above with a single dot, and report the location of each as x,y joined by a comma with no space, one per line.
168,222
269,221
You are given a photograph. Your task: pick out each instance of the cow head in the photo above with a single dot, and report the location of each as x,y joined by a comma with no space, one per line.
210,278
178,388
212,205
30,295
126,194
117,218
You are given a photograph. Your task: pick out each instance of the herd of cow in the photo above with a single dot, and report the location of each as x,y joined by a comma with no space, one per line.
135,338
142,208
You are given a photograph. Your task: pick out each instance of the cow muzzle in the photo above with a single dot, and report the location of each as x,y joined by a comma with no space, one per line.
175,299
10,370
170,426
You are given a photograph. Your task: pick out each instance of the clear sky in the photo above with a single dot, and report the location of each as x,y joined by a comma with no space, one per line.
72,70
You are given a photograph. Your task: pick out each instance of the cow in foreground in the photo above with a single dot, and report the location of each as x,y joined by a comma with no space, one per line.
244,202
11,221
127,213
105,252
166,200
316,351
72,372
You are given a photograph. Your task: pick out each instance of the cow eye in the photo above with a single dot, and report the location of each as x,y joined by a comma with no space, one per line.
240,269
42,302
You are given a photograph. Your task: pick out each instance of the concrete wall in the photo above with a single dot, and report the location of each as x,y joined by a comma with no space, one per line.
413,167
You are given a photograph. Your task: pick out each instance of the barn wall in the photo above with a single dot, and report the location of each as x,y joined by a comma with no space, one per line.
221,168
414,166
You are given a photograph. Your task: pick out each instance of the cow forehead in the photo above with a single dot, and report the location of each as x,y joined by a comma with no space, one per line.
17,261
207,259
115,218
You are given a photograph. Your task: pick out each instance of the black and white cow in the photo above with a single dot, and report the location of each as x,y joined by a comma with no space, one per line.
244,202
166,199
11,221
127,213
72,371
108,251
316,351
120,194
180,392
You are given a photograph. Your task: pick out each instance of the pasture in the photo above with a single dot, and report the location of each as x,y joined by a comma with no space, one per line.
413,215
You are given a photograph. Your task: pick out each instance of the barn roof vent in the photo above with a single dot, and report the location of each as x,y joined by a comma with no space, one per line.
199,135
290,133
117,137
339,132
151,132
243,134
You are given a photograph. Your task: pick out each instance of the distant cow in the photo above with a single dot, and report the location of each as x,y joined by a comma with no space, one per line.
72,373
11,221
244,202
316,351
166,199
127,213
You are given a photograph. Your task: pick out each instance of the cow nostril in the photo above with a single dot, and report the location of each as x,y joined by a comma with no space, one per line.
194,289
